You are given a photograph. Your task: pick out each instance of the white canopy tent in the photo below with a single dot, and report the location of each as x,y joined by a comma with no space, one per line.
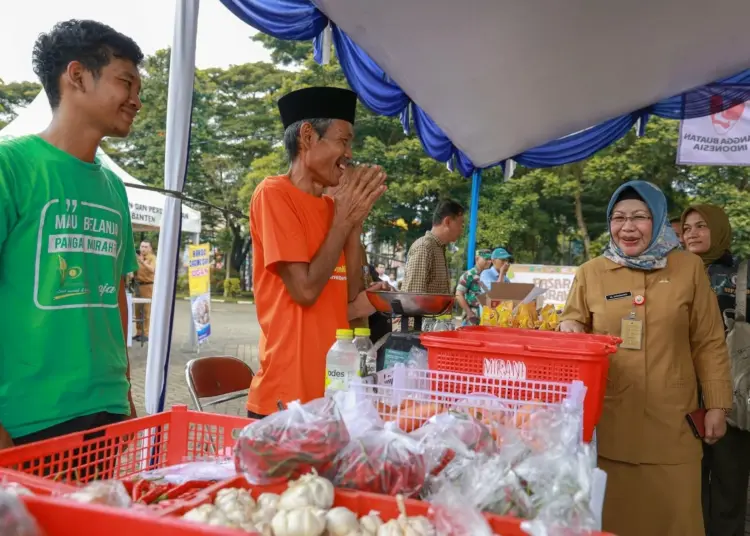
146,207
502,76
497,76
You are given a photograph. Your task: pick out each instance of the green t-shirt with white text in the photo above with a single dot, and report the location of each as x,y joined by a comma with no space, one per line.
66,242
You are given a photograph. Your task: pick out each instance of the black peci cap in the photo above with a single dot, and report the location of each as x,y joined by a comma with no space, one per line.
318,103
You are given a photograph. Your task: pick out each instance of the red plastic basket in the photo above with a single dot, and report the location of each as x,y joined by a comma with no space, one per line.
530,355
129,447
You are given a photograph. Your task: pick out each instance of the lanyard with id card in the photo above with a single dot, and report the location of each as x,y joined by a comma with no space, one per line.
631,329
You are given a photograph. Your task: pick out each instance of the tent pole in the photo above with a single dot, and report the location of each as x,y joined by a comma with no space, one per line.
476,182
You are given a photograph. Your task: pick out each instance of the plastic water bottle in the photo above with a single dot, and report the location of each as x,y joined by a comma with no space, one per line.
367,362
342,361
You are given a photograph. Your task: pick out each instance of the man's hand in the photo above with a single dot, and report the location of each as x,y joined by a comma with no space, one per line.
572,326
380,287
5,440
359,190
715,423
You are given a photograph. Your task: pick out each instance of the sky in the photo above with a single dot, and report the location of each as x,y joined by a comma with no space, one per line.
223,39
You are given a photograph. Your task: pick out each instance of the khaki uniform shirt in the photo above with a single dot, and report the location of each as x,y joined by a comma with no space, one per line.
427,267
649,391
143,275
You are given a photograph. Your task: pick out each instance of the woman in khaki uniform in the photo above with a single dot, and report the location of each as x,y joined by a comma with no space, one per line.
657,298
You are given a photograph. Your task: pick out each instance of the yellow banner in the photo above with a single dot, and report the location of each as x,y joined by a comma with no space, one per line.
199,269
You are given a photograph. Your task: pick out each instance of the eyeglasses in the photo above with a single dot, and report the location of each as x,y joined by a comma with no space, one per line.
637,219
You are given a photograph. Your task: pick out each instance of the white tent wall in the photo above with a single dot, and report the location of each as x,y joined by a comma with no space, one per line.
146,207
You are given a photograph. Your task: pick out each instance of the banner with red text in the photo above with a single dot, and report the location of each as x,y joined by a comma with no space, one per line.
719,139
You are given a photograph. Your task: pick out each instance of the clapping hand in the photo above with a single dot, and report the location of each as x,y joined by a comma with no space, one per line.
360,188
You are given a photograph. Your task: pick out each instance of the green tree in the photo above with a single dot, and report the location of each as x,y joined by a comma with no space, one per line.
13,97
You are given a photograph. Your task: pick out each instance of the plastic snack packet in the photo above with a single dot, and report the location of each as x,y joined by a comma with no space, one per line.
505,314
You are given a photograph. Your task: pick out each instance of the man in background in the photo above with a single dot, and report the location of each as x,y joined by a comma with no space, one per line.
497,273
63,357
427,268
384,277
145,279
468,289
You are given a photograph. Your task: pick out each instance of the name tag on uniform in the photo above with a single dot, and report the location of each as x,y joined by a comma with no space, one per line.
618,296
631,333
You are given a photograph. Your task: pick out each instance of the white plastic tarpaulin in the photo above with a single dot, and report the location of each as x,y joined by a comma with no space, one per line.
503,76
145,206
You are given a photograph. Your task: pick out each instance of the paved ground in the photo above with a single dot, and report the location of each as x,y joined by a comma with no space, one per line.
234,332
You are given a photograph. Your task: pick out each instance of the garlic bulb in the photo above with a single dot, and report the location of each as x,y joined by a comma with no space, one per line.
308,490
370,523
405,525
341,521
305,521
236,503
268,500
263,516
210,515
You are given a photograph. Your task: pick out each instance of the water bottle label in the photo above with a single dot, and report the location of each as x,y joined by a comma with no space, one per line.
337,378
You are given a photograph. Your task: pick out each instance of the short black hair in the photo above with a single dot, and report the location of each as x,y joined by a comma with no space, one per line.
291,135
447,208
91,43
675,219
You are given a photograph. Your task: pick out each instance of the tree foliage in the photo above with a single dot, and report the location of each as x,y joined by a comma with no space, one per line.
552,216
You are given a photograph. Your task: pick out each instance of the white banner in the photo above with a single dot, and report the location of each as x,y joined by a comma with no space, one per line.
720,139
556,279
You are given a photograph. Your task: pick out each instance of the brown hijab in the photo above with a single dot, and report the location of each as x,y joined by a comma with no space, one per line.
721,230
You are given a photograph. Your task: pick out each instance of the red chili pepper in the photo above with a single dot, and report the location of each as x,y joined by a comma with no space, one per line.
154,493
140,488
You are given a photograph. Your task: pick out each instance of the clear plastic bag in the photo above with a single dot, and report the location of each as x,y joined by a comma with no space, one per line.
202,470
15,520
292,442
543,471
14,488
453,516
448,435
417,358
384,461
358,412
106,492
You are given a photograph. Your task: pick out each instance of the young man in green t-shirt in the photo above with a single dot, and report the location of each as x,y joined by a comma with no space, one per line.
66,243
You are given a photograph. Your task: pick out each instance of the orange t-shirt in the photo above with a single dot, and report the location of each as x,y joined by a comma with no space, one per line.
289,225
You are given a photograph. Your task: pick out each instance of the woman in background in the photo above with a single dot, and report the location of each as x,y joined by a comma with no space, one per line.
726,464
654,296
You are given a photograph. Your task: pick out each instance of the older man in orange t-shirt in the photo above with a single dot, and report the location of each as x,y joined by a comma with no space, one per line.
306,247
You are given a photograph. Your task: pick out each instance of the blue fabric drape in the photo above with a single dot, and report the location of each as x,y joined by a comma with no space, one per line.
301,20
292,20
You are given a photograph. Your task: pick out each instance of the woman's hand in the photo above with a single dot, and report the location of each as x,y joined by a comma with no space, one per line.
572,326
715,423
